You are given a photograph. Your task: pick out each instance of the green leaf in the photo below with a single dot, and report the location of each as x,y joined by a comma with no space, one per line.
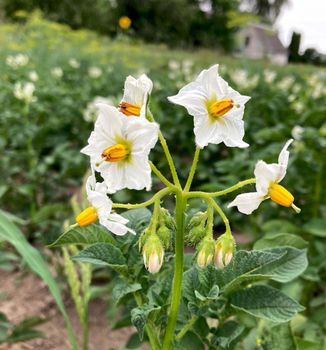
138,218
266,302
281,240
104,254
87,235
11,233
122,289
279,225
139,316
316,227
190,341
291,265
280,338
226,334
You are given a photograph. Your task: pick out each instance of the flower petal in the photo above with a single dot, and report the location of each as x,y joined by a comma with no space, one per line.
265,175
247,202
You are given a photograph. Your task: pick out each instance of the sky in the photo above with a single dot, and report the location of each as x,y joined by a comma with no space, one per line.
307,17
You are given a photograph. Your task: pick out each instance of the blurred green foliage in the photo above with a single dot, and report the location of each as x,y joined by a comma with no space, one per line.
74,67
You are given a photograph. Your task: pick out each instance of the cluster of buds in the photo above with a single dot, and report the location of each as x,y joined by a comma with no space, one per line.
155,239
221,251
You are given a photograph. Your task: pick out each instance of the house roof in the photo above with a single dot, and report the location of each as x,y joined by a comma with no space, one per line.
268,38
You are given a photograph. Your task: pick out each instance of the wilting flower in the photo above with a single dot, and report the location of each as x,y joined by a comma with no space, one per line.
25,92
136,92
101,209
224,250
17,61
124,22
94,72
33,76
153,253
57,72
205,252
217,109
74,63
268,177
119,149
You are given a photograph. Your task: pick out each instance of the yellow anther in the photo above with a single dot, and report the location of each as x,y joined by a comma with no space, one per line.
280,195
115,153
87,217
124,22
220,107
129,109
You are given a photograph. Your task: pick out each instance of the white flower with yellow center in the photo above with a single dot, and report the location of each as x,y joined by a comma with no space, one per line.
119,149
101,209
217,109
268,177
135,97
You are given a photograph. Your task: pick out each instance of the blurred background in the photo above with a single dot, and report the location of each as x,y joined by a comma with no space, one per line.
58,58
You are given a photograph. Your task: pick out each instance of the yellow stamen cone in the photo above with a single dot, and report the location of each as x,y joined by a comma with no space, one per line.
87,217
129,109
282,196
219,108
115,153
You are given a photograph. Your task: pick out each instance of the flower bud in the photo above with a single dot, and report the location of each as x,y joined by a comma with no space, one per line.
165,236
205,252
224,250
167,219
153,253
196,229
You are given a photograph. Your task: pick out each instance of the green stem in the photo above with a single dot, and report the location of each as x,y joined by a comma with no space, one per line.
152,200
192,170
85,330
149,328
186,327
169,159
178,271
220,193
160,175
167,153
222,215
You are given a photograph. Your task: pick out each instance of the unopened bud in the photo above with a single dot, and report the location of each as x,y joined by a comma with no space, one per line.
205,252
165,236
224,250
197,220
196,229
153,253
167,219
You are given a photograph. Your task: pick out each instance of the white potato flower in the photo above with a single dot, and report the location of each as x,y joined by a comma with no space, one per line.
135,97
74,63
24,92
17,61
217,109
95,72
33,76
119,148
57,72
101,209
268,177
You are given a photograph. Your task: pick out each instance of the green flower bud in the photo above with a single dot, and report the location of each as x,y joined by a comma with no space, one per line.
205,251
224,250
195,235
153,253
165,236
198,219
143,237
167,219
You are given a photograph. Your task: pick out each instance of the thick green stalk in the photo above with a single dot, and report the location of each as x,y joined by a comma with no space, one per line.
192,170
178,272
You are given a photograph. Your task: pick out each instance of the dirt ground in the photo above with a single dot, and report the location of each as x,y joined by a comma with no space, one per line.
27,296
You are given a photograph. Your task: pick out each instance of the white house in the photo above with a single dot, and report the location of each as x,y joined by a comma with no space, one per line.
258,41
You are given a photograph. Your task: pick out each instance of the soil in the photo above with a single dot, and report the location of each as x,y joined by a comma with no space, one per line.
23,296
